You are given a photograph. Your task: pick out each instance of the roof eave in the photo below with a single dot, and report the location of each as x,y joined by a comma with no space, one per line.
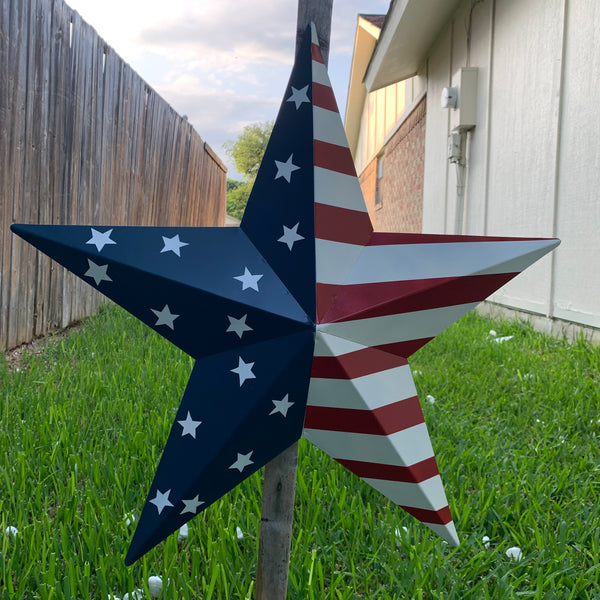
409,31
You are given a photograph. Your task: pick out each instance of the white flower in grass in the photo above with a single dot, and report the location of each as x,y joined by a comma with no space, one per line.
113,597
183,533
154,585
239,534
514,553
493,333
137,594
11,531
401,534
430,399
485,540
129,519
504,338
417,373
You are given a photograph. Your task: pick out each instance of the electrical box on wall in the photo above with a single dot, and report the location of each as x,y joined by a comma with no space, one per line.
465,115
454,147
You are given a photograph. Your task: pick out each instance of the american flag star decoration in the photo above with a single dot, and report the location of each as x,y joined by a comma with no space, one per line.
300,321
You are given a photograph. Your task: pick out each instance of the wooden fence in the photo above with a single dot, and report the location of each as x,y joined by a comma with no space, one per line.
83,140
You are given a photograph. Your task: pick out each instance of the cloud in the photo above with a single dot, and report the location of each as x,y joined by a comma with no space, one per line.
234,31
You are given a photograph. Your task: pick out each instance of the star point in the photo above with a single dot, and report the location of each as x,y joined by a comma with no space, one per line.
97,272
285,169
173,244
242,461
248,280
290,236
161,500
298,97
164,317
100,239
281,406
244,370
238,326
192,505
189,426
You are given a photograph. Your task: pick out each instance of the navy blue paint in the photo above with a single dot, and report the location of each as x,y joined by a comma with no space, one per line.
275,202
200,287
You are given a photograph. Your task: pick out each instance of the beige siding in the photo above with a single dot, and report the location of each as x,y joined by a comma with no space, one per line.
533,163
577,276
381,112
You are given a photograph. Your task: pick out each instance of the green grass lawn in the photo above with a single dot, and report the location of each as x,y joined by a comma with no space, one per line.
515,426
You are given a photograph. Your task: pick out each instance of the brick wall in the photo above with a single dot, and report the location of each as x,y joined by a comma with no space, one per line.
368,179
401,208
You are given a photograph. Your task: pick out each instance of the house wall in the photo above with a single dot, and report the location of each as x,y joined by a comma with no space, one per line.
381,111
403,157
533,155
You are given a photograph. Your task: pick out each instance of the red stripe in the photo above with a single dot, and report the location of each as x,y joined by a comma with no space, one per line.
342,224
416,473
333,157
381,421
437,517
404,349
323,97
368,300
355,364
387,238
325,296
315,52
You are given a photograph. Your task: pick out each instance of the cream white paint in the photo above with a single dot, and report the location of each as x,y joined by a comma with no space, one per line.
534,152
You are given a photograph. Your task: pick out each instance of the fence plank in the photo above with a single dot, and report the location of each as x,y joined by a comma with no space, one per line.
83,140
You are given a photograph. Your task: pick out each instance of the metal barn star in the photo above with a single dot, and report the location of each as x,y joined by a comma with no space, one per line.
301,321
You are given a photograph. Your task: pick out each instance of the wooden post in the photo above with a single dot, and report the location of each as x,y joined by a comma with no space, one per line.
280,474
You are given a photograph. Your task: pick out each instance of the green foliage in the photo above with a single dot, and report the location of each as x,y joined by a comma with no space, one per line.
232,184
237,198
514,424
247,152
249,147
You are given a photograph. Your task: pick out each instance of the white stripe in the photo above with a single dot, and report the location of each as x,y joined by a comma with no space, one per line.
399,328
330,345
327,127
337,189
428,494
314,38
368,392
446,532
335,260
403,448
406,262
319,73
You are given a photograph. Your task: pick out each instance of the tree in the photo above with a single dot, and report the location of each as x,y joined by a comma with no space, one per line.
247,152
237,198
249,147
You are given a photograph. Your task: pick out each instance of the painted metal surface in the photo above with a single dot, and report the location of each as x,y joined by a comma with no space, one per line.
301,321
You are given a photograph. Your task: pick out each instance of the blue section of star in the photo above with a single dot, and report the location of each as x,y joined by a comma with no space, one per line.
282,196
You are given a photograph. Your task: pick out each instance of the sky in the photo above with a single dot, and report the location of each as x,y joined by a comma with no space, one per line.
222,63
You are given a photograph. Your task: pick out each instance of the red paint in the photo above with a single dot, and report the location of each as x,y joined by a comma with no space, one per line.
380,421
355,364
416,473
334,158
342,224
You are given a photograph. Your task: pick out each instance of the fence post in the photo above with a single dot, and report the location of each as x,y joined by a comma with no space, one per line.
280,474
